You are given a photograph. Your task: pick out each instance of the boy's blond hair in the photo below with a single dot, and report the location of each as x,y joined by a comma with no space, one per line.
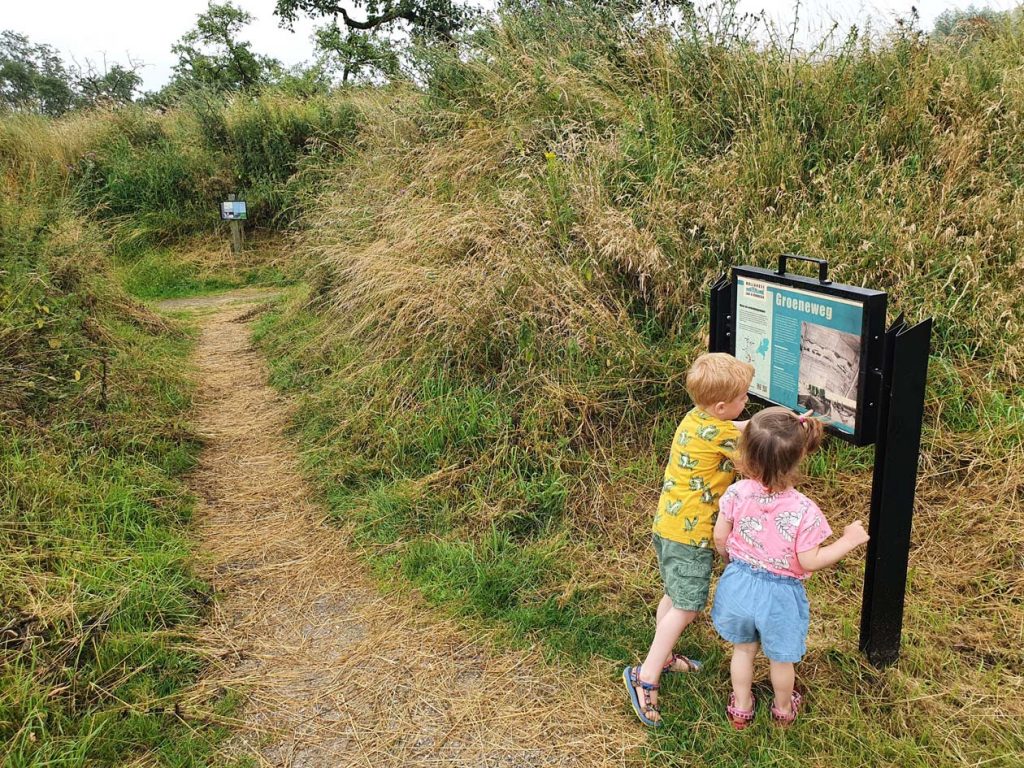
717,377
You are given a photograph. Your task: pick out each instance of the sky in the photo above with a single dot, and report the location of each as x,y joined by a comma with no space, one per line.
119,30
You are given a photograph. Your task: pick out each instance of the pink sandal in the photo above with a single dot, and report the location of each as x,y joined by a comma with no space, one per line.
740,718
692,665
783,719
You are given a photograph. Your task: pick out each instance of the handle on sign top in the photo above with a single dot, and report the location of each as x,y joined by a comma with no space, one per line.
822,265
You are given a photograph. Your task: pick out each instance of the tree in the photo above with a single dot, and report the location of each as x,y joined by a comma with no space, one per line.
33,77
353,53
955,25
211,55
438,19
116,85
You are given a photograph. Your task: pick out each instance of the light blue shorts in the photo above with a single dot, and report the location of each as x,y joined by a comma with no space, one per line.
753,605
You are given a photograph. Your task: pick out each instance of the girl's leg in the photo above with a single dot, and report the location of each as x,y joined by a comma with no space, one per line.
783,674
742,670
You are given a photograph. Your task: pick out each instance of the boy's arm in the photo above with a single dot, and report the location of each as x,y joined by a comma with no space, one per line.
723,527
823,556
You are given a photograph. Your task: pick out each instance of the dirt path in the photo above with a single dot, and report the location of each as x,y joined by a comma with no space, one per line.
332,673
218,300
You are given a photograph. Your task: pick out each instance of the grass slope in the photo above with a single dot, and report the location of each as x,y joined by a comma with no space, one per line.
99,603
512,278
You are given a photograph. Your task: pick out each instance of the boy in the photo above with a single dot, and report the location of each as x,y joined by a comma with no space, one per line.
699,470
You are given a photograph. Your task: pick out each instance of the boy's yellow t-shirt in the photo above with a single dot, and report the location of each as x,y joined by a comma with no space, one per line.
699,470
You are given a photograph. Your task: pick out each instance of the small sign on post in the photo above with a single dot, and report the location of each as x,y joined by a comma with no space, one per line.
234,211
820,346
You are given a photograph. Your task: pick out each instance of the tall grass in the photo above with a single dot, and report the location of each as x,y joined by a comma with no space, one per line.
512,278
98,599
158,177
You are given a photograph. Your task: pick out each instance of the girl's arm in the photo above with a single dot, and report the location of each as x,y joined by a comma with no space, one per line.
823,556
723,527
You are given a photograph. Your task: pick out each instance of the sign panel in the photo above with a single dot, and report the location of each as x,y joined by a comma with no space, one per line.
815,346
233,210
805,348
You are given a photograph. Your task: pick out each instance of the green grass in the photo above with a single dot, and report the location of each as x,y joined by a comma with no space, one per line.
512,265
99,598
165,273
439,490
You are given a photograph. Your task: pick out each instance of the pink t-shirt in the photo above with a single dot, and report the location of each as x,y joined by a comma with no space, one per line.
768,529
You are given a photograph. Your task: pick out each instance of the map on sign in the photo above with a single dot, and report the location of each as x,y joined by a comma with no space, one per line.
233,210
805,348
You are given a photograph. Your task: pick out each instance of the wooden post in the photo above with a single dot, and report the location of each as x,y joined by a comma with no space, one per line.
236,232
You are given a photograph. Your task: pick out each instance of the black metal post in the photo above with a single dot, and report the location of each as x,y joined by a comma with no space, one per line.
720,335
901,411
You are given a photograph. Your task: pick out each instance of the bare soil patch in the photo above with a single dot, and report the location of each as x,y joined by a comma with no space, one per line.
334,673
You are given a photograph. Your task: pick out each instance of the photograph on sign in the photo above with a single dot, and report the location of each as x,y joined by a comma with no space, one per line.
805,348
829,366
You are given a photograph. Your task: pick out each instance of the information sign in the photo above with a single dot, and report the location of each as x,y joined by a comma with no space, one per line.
815,345
233,210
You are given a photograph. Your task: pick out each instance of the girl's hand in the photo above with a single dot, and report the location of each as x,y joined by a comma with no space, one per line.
855,534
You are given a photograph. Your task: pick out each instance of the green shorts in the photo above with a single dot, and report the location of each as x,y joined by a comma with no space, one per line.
685,571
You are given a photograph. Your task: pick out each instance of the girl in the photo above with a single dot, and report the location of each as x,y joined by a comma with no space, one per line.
771,536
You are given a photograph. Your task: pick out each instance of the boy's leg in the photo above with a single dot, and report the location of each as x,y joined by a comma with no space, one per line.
783,674
686,573
669,628
741,669
663,608
683,665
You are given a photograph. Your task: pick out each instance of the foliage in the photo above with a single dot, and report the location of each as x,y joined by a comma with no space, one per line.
140,176
33,77
154,177
426,18
353,53
115,86
958,24
212,56
99,602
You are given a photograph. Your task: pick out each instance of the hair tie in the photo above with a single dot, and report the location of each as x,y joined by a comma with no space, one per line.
802,419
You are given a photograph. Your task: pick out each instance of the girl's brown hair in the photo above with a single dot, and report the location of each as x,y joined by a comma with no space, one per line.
772,445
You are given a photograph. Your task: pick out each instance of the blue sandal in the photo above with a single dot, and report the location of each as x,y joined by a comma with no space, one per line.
631,677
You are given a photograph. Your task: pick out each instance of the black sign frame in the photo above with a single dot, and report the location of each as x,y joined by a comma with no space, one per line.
894,372
875,303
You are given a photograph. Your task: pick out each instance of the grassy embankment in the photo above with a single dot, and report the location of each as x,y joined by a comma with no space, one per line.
99,603
154,182
513,270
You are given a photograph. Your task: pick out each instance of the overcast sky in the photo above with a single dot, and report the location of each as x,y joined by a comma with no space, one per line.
145,31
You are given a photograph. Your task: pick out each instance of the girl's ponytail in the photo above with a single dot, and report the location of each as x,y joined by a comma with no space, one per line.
814,432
